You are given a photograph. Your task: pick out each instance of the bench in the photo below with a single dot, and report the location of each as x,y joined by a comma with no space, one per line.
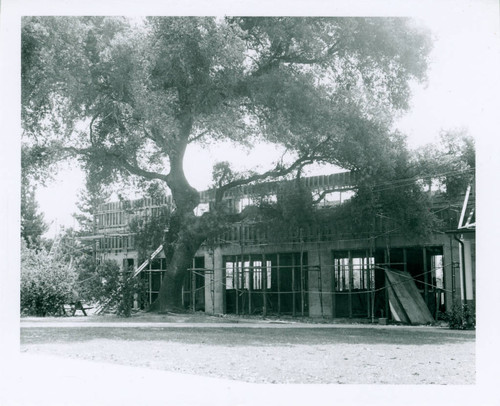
73,307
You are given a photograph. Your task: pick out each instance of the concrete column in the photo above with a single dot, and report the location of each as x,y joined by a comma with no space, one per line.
209,283
319,260
469,287
215,289
326,280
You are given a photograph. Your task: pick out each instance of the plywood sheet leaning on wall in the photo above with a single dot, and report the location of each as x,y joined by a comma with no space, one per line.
406,302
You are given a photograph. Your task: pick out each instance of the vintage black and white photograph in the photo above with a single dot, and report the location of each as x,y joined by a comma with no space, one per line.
222,206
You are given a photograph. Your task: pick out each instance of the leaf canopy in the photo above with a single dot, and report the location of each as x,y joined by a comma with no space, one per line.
128,97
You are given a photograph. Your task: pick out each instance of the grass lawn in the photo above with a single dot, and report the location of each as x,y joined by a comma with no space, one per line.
254,351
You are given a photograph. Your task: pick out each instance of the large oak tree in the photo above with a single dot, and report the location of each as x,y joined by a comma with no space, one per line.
127,97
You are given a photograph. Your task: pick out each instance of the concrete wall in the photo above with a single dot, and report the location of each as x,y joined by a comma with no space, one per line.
320,263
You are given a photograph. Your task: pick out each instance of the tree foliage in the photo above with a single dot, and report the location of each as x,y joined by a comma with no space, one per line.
127,99
285,216
47,283
33,225
149,232
105,282
451,161
89,199
389,198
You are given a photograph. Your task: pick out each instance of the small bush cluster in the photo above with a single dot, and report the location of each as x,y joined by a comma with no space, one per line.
462,317
46,283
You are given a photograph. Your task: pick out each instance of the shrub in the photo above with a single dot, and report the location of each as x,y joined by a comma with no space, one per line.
129,288
89,281
105,281
462,317
47,283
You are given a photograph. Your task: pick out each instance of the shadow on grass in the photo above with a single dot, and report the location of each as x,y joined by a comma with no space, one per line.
249,336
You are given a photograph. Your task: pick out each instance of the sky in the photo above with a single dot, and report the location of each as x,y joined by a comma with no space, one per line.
461,91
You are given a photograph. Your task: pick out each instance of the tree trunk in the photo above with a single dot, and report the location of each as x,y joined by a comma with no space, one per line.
183,238
170,295
185,234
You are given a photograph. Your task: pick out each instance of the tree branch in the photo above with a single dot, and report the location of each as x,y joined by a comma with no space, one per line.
135,170
91,131
294,58
197,137
119,159
277,172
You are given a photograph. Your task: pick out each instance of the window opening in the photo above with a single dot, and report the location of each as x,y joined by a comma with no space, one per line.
359,271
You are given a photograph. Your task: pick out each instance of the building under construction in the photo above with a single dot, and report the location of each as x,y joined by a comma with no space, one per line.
324,271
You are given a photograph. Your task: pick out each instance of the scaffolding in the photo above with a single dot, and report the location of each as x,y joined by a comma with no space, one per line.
354,285
302,277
